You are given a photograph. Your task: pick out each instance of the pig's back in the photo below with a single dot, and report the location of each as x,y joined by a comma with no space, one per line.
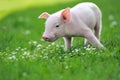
87,12
86,7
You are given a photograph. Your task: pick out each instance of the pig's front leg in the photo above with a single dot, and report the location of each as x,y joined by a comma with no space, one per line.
67,42
89,35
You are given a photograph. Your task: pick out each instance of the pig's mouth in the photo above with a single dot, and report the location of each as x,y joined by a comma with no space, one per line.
50,39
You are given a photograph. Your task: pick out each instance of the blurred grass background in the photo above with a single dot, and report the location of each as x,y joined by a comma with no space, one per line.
8,6
20,34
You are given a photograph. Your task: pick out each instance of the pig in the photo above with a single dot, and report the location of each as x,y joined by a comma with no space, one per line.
83,20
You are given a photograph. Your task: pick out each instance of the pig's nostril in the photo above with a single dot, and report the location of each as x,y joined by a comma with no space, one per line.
45,38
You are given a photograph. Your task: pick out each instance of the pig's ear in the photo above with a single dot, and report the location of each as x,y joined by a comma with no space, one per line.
44,15
66,15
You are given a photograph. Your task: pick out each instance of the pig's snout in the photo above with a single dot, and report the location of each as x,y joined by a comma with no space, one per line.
50,37
45,38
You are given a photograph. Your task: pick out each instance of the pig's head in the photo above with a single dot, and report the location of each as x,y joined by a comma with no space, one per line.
55,24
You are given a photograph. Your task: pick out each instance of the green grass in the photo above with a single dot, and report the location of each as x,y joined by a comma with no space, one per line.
23,56
7,7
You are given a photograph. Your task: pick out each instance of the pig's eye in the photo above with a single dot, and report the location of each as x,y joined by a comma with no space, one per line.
57,25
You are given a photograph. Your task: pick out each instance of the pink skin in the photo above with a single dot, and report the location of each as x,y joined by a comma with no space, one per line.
79,21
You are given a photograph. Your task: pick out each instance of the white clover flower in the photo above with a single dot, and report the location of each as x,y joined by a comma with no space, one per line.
61,45
40,56
57,45
60,57
73,51
66,67
93,48
49,45
46,54
83,53
23,57
27,32
111,17
37,49
45,57
23,49
12,57
53,43
30,42
35,43
39,45
76,50
88,45
24,74
85,47
13,52
113,24
88,49
51,51
65,56
26,53
17,49
70,54
41,40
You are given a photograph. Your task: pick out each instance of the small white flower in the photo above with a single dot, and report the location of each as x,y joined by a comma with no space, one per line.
85,47
41,40
62,45
37,49
30,42
73,51
24,74
53,43
40,56
46,57
57,46
113,23
27,32
60,57
88,45
111,17
23,57
23,49
93,48
88,49
66,67
39,45
17,49
13,52
65,56
76,50
83,53
51,51
49,45
12,57
35,43
26,53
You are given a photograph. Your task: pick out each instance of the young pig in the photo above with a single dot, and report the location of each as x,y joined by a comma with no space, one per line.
83,20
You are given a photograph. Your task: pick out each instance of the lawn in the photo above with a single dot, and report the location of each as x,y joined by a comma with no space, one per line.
24,56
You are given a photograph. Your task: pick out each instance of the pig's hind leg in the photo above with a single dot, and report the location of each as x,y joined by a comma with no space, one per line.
89,35
97,29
